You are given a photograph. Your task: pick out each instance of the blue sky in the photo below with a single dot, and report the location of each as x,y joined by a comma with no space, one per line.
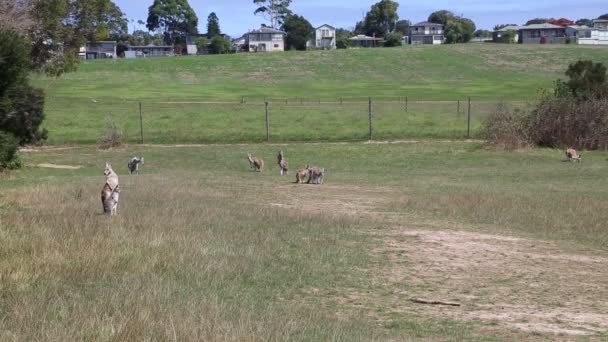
236,16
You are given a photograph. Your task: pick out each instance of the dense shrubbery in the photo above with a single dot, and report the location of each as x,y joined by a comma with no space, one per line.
8,151
575,115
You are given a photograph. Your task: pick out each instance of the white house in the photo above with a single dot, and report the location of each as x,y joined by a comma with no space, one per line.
597,35
265,39
325,37
426,33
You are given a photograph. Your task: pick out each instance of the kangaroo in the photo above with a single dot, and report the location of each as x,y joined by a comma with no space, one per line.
301,175
134,164
283,164
110,191
573,156
255,163
315,175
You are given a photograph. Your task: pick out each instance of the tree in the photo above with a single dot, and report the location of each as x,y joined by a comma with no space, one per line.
298,30
175,18
457,29
509,36
603,16
482,34
393,39
403,26
561,22
201,44
220,45
586,80
584,22
274,11
538,21
380,20
213,25
501,26
342,38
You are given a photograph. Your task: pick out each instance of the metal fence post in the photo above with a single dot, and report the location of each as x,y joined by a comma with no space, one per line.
370,118
141,123
469,120
267,125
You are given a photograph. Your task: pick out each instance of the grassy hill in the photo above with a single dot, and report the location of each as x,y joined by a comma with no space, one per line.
79,103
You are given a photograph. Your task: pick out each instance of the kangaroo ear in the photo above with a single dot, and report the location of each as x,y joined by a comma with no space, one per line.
108,164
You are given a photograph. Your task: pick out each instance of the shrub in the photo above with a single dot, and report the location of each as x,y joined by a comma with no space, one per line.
8,152
506,128
111,137
21,113
393,39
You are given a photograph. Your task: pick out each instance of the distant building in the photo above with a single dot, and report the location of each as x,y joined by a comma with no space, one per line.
265,39
542,34
601,24
191,39
426,33
149,51
325,38
240,44
98,50
596,35
502,35
364,41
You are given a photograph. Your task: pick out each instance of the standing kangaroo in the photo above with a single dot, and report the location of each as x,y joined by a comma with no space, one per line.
255,163
283,164
110,191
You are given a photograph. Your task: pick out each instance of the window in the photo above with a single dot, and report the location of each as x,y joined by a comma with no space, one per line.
276,45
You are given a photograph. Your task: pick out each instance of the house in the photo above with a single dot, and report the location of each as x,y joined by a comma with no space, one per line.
325,38
265,39
149,51
364,41
542,34
596,35
574,33
600,24
240,44
502,35
98,50
191,39
426,33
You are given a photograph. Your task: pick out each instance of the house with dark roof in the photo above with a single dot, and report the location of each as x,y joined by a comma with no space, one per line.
542,34
265,39
364,41
98,50
426,33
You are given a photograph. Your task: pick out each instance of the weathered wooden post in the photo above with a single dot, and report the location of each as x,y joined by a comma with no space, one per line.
370,118
141,123
267,125
406,104
458,109
469,120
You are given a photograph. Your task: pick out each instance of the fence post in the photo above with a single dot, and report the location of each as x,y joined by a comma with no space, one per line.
406,104
242,99
458,109
267,126
141,123
370,118
469,120
340,101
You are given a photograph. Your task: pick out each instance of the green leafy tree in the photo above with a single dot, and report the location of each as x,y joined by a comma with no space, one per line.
393,39
586,80
380,20
220,45
482,34
538,21
403,26
603,16
584,22
175,18
342,38
509,36
298,30
457,29
274,11
201,44
213,25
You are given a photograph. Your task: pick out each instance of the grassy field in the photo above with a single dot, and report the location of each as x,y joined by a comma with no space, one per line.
433,78
205,249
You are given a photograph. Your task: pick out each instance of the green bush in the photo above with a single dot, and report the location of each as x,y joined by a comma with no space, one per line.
8,152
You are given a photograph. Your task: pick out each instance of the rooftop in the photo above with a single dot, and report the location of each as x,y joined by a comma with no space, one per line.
363,37
508,28
540,26
265,29
427,23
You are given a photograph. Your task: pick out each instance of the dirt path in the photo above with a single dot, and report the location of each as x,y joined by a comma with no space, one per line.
504,282
56,166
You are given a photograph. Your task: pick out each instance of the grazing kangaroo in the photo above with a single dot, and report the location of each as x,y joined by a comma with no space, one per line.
572,156
283,164
255,163
301,175
134,163
316,175
110,191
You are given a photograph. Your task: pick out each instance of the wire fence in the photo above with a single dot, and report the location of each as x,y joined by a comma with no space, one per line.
269,119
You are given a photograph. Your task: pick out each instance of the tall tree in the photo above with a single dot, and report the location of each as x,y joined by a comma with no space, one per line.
213,25
456,28
175,18
342,38
274,11
585,22
403,26
380,20
298,30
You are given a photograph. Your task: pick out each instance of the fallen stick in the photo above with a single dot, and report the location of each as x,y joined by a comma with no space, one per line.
433,302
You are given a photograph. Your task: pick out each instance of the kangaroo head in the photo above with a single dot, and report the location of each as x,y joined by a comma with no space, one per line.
108,169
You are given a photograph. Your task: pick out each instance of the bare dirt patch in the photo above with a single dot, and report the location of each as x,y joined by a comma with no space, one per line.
56,166
515,283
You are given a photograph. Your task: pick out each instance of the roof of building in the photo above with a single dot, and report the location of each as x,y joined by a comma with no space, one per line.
508,28
265,29
331,27
427,23
600,21
150,46
363,37
540,26
580,27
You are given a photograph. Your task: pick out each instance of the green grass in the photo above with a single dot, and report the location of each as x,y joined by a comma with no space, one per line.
203,248
79,103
